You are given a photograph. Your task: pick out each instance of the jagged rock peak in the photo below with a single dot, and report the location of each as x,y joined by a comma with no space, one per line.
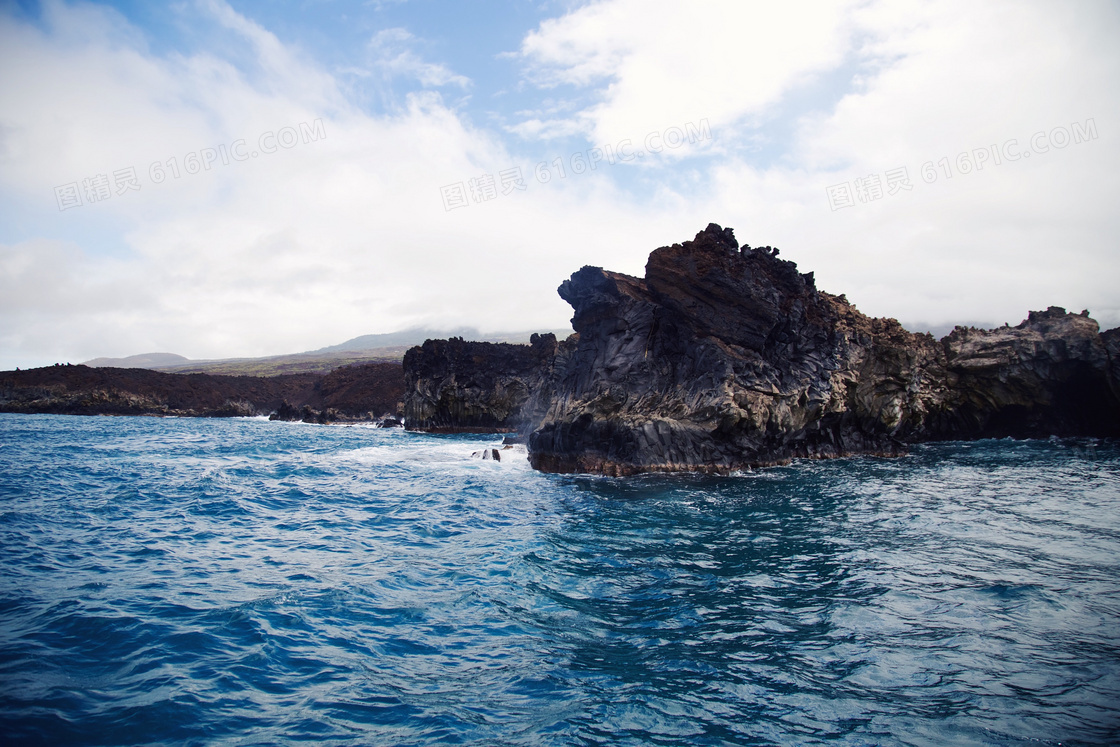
722,236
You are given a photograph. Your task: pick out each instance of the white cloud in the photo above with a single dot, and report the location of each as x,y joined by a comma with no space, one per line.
393,57
994,242
663,63
284,251
925,81
347,235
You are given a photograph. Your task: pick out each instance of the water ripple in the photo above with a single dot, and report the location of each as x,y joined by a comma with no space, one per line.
245,582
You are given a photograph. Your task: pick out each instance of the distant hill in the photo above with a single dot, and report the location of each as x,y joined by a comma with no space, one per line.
405,338
411,337
145,360
365,349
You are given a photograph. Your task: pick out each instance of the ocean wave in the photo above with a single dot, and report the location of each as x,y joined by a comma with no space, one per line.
240,581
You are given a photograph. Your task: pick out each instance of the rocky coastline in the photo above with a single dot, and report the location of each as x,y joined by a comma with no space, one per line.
720,358
371,392
723,357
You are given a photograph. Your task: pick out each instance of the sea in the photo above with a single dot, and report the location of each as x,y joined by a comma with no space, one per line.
237,581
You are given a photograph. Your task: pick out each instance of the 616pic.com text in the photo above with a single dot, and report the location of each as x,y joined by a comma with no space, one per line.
101,187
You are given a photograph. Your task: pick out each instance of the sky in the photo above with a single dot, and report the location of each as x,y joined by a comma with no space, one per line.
219,178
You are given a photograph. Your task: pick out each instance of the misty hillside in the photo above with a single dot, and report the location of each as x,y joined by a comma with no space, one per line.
364,349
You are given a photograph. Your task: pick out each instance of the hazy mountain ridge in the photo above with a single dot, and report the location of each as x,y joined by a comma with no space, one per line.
374,348
144,360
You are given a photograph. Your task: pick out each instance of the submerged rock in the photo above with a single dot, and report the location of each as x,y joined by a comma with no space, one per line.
508,453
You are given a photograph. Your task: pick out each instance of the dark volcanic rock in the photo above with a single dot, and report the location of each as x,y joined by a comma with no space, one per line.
369,391
1052,374
456,386
722,358
306,414
361,392
1111,340
80,390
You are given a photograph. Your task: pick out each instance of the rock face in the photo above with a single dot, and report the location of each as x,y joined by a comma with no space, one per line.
455,386
1111,340
1053,374
723,357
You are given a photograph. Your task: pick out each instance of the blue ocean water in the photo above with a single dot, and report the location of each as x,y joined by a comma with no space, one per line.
186,581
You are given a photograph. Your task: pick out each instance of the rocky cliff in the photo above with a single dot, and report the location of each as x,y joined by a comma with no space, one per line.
456,386
725,357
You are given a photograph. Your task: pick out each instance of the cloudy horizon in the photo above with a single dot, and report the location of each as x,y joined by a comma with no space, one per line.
220,179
